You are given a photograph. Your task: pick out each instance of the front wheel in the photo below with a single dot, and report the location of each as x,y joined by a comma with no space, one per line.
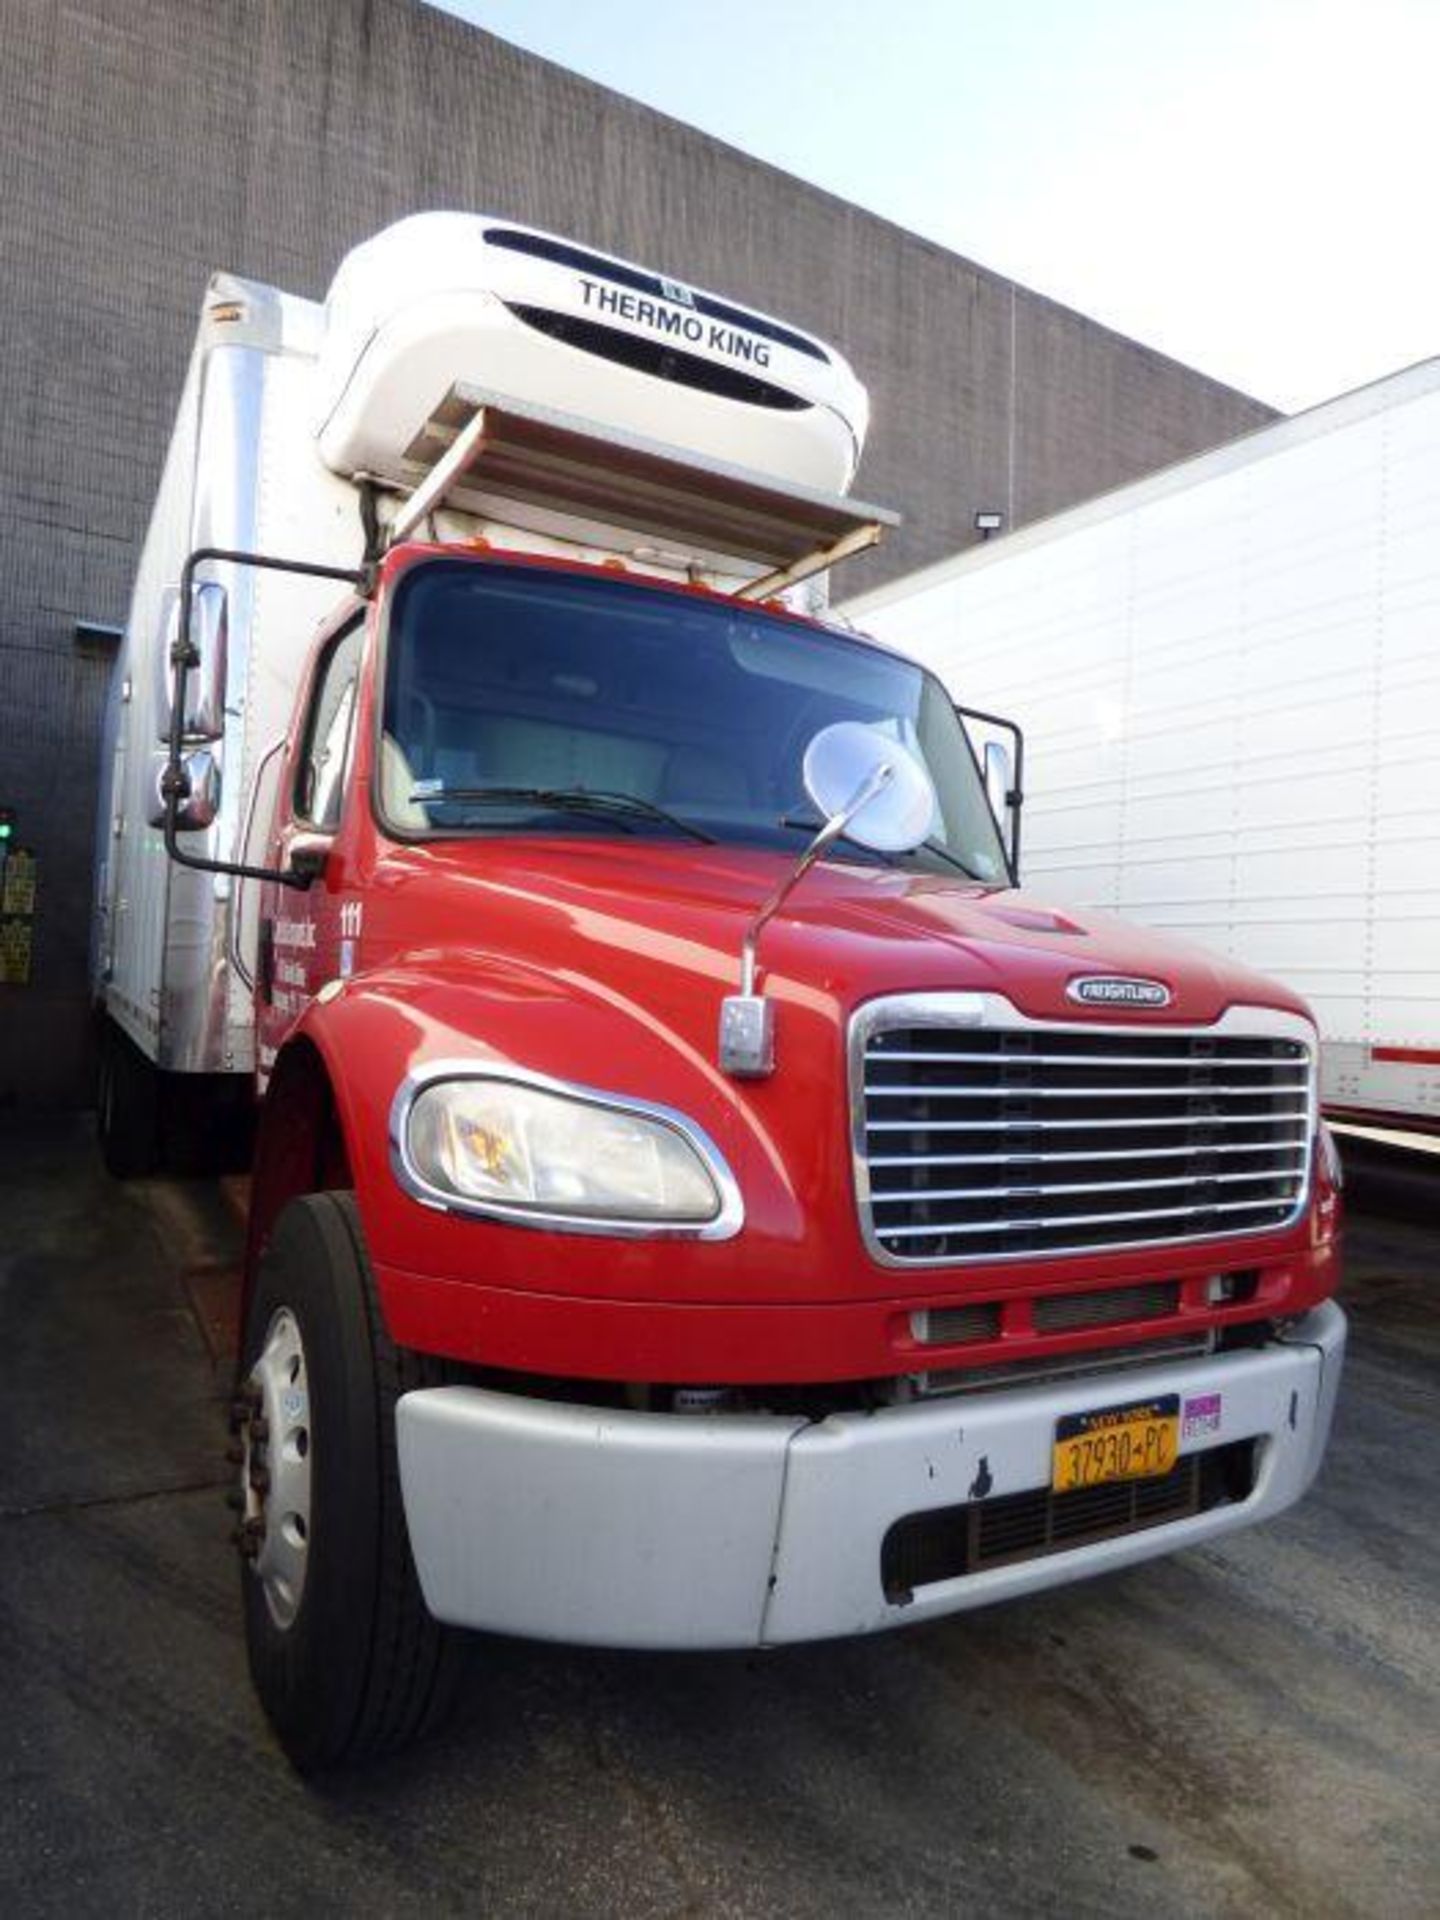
345,1657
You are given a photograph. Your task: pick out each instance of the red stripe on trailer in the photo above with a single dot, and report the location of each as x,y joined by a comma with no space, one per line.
1408,1056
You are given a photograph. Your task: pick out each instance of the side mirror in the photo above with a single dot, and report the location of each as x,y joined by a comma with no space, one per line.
1003,773
199,791
205,682
869,788
206,652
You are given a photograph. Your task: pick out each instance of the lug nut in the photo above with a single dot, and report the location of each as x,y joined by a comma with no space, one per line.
259,1429
235,1454
246,1402
260,1479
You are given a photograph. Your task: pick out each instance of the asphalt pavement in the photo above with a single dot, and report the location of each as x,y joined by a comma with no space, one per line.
1252,1728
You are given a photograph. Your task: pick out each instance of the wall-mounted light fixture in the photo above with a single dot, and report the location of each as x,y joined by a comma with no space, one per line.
987,521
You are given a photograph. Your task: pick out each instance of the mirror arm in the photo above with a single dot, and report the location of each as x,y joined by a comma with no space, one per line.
747,1018
306,857
828,834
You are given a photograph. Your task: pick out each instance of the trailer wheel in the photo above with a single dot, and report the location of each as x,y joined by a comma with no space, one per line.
346,1659
127,1107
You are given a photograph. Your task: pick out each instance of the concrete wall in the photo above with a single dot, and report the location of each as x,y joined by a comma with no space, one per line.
144,143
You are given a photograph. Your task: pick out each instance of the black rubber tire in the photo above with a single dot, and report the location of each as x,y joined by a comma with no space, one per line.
127,1106
362,1669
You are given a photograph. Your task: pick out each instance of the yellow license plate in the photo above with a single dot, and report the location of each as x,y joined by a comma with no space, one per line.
1135,1441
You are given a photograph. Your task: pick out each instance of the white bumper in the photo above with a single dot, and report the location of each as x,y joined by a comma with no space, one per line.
660,1530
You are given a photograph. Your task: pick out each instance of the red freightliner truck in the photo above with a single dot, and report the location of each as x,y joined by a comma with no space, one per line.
696,1201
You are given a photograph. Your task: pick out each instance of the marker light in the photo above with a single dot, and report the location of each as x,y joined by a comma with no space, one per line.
510,1147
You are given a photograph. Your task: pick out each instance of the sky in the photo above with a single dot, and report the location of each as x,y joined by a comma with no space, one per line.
1251,186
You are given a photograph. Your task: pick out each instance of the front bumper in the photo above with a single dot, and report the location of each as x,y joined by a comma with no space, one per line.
618,1529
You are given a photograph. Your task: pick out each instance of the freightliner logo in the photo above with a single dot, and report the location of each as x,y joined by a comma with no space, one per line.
1112,990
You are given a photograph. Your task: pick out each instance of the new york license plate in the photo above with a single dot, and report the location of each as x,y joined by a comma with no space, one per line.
1134,1441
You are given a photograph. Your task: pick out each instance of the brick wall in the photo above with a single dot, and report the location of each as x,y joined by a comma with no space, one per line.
144,143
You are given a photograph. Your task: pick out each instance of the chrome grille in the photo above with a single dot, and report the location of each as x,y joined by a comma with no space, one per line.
977,1140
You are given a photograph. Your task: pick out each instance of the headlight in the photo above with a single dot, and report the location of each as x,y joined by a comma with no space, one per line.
564,1156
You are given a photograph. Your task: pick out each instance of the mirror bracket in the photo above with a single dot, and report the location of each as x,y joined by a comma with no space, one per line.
747,1036
305,858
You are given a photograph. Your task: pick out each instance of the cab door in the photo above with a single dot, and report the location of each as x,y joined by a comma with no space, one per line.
305,937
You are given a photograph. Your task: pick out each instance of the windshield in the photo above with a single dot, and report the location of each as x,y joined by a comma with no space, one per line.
520,699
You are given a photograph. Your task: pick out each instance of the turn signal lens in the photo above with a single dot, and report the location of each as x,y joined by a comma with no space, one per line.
1330,1158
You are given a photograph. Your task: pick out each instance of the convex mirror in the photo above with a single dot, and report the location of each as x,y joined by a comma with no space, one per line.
874,784
201,803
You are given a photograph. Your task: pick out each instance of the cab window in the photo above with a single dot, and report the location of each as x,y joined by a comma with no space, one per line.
330,732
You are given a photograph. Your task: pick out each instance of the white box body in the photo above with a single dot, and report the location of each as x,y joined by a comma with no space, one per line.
1229,679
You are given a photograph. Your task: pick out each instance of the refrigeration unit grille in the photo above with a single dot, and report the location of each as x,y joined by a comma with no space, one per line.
562,253
659,359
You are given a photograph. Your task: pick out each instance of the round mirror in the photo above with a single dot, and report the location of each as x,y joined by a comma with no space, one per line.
843,760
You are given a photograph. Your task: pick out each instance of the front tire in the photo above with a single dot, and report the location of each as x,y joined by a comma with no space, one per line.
347,1661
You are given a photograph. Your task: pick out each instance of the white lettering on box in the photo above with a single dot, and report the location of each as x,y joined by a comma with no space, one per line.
667,320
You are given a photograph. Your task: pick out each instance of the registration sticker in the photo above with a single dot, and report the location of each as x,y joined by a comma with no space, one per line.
1201,1416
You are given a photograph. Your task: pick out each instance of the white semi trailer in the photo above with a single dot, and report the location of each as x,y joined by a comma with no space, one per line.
1229,677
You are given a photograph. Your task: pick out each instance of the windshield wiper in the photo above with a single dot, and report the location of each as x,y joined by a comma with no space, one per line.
583,800
889,859
944,853
841,839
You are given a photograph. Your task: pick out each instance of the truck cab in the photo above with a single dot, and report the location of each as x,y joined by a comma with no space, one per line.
698,1200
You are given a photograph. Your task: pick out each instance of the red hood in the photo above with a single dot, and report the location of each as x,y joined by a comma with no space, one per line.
605,964
848,931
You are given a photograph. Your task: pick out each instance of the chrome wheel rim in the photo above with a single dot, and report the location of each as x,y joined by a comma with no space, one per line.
275,1468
